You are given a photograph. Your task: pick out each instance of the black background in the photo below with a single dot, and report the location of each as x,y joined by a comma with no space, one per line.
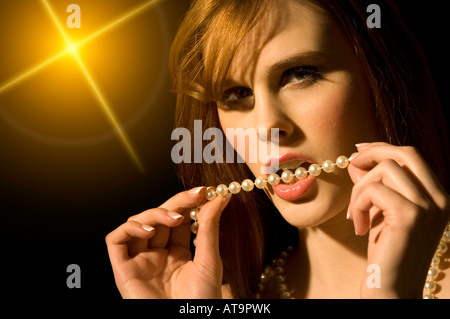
40,237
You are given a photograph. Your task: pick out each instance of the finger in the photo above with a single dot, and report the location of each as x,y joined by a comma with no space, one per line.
117,240
162,220
378,201
185,200
409,159
207,240
390,174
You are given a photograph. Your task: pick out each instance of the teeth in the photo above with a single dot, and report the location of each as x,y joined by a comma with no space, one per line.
291,165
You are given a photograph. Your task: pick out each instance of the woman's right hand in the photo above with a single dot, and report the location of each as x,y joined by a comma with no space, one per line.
150,253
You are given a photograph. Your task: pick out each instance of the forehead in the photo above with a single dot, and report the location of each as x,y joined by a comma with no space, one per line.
288,27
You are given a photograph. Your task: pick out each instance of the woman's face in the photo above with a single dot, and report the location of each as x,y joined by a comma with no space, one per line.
296,71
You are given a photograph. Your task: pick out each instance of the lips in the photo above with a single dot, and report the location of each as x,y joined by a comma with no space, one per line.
294,191
291,161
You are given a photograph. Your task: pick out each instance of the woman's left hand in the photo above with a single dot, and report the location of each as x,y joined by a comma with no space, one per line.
400,202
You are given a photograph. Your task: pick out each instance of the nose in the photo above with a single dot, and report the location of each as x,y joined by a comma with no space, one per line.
270,116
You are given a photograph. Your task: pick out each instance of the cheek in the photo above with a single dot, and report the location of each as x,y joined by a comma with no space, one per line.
340,113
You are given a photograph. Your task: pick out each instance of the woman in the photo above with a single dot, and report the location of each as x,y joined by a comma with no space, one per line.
317,73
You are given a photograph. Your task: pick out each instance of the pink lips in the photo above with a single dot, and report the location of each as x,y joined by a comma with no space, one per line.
298,189
295,191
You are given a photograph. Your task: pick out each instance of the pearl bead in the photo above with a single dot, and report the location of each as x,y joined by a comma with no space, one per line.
194,213
264,278
342,161
247,185
287,176
234,188
314,170
446,237
430,286
273,179
194,228
328,166
301,173
260,182
435,261
210,193
432,272
442,248
428,296
195,241
222,190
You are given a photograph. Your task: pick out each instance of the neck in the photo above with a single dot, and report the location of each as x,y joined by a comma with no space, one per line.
331,259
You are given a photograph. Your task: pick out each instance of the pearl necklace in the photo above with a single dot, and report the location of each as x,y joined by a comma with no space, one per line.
260,182
278,266
277,269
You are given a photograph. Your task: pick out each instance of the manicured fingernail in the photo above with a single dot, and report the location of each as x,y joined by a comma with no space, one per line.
361,146
348,214
148,227
354,155
196,190
174,215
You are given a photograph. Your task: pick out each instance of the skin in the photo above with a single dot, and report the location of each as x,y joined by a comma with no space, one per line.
396,208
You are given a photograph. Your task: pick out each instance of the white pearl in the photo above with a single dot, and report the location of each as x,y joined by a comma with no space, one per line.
314,170
433,273
234,187
247,185
210,193
260,182
194,213
301,173
430,286
428,296
328,166
287,176
273,179
222,190
194,228
435,261
195,241
342,161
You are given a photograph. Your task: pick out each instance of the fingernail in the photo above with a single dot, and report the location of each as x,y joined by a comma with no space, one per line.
174,215
348,214
361,146
354,155
196,190
148,227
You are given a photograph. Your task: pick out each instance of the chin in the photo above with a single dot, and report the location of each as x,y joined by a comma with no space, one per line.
321,203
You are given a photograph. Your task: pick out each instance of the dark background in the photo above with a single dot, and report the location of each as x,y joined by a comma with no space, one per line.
45,230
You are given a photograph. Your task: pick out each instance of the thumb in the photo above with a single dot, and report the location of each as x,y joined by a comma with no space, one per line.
207,240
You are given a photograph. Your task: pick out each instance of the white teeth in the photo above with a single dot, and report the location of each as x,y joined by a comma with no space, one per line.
291,165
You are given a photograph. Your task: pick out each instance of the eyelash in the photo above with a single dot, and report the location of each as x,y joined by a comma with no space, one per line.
235,95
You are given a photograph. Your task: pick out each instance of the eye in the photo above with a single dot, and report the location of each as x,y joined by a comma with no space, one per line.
237,96
303,75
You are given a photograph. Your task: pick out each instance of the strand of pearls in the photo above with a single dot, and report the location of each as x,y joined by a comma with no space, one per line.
278,266
287,176
433,272
277,269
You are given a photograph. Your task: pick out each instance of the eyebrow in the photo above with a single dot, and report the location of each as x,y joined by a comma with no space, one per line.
308,57
296,60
